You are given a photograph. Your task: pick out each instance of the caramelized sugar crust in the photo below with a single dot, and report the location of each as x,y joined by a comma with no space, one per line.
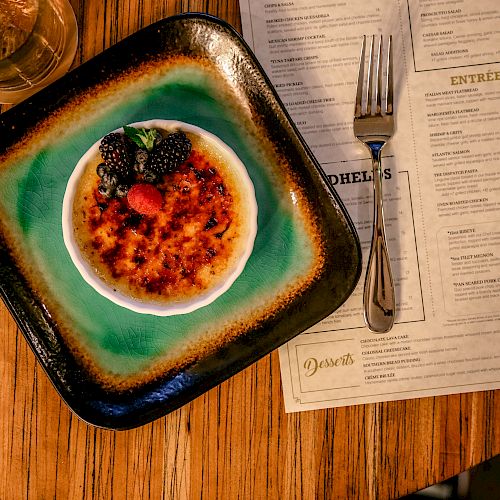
184,249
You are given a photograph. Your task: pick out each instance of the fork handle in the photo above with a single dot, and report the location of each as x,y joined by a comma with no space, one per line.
378,295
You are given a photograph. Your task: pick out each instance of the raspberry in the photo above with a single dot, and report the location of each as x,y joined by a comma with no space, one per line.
145,199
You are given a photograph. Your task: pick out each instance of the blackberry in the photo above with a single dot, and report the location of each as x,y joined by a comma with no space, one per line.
169,153
116,151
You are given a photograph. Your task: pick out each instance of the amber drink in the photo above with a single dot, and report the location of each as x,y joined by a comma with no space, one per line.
38,40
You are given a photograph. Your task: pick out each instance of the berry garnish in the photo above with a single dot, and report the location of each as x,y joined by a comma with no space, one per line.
140,156
144,138
121,191
169,153
110,179
102,169
117,152
108,185
145,199
150,177
106,190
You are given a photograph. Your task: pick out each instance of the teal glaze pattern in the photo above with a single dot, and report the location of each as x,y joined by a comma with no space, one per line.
118,340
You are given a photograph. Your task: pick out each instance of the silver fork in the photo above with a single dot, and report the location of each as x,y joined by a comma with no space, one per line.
374,127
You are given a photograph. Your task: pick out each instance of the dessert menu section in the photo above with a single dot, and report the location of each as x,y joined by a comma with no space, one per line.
441,190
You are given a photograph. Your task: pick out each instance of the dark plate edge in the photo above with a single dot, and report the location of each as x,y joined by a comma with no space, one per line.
98,412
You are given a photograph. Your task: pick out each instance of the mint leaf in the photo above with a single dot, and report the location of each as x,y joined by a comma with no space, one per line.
144,138
132,133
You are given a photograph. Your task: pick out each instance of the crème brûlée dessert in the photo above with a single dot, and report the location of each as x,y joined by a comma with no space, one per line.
163,217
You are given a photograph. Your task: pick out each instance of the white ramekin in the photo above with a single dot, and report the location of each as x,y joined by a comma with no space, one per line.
178,307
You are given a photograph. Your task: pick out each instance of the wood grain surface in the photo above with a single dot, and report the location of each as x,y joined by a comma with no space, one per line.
234,442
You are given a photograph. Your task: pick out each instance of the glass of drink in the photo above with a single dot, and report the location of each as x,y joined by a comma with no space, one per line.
38,40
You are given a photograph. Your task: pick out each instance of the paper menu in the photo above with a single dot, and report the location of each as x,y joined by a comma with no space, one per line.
441,190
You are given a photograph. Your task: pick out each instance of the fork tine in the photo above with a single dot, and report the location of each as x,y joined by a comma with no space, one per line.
390,80
359,90
369,83
378,79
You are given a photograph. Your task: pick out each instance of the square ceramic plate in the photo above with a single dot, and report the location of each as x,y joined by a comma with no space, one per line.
116,368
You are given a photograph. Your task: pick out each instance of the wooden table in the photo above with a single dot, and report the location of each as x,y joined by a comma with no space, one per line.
235,441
